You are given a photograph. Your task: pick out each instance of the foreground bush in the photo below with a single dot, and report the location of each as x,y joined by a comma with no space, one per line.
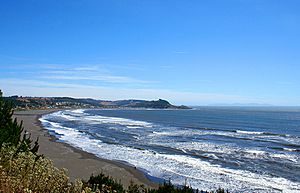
25,171
105,184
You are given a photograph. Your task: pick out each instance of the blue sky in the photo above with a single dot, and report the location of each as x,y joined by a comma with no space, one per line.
194,52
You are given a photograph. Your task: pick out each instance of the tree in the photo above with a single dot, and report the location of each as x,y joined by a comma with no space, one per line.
11,131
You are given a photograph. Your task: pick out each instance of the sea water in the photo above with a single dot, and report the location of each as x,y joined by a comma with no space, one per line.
242,149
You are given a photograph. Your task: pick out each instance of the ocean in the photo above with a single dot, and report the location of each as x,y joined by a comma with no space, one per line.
242,149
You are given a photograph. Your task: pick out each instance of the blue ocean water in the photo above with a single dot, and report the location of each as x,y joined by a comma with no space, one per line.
242,149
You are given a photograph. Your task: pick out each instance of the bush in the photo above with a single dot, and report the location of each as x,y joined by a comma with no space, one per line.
104,183
27,171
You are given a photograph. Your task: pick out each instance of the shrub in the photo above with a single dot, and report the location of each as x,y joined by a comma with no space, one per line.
104,183
27,171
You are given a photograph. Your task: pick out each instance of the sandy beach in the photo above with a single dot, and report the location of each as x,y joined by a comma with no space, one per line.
79,164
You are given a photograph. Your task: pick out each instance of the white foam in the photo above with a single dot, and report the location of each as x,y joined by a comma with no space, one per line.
232,177
60,114
250,132
43,119
290,149
117,120
229,149
78,111
68,117
97,119
289,157
200,174
203,147
291,140
211,155
171,131
61,130
192,132
133,127
255,152
165,133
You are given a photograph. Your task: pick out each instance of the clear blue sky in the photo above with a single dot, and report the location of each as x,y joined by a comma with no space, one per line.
189,51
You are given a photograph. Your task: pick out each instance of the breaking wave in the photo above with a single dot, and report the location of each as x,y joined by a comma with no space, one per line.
200,162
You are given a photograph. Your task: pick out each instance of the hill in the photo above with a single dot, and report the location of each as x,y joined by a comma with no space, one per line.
20,102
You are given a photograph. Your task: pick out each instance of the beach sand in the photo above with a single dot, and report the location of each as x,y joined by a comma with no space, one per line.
80,164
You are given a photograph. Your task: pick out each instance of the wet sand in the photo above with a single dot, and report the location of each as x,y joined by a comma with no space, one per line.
80,164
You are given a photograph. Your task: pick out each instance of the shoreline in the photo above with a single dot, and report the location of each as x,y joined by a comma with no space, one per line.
80,164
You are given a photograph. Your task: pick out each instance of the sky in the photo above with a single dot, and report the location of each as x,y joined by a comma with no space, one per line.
192,52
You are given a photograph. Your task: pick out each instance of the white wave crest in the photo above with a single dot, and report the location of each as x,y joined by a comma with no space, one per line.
97,119
117,120
78,111
249,132
290,149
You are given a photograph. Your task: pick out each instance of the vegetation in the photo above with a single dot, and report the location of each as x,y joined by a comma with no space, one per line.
25,171
22,169
11,131
102,183
20,102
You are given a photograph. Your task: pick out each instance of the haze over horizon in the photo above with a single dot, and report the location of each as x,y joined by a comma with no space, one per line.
187,52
